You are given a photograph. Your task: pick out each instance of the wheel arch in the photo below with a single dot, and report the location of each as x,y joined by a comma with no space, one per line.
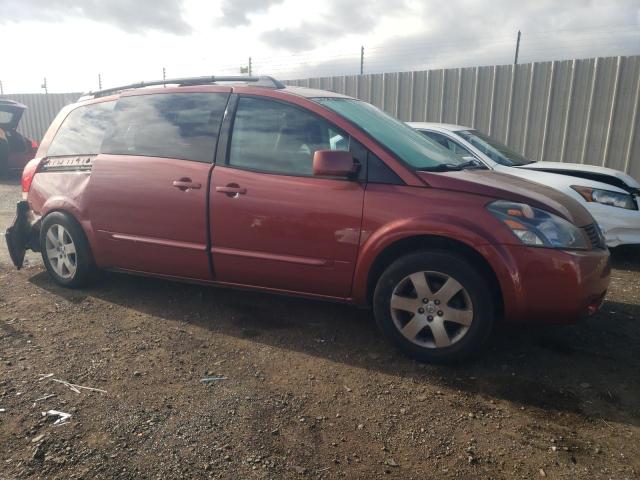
73,212
414,243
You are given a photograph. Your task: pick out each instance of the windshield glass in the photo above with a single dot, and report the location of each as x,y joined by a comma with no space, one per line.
495,150
410,146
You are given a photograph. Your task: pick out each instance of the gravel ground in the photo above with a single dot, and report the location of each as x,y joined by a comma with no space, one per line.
309,389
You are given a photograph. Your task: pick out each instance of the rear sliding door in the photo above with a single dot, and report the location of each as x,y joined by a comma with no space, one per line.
148,187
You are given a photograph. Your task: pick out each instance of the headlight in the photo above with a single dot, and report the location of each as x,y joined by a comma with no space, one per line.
607,197
538,228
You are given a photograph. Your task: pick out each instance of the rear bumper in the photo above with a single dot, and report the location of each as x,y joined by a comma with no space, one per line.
22,234
549,286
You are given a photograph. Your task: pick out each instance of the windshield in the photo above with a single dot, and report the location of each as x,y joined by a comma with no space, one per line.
495,150
410,146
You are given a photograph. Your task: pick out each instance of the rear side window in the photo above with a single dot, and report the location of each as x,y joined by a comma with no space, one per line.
274,137
178,125
82,131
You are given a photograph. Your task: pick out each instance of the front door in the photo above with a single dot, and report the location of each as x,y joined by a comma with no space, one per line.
273,224
148,189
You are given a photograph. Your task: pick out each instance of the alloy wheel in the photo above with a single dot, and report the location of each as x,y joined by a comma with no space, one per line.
431,309
61,251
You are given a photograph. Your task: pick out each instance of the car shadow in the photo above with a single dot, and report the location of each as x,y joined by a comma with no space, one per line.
626,257
10,178
590,369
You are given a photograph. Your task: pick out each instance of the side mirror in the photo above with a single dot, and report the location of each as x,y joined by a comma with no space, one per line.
334,163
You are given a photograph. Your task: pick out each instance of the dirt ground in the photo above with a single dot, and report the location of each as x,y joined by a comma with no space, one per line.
310,390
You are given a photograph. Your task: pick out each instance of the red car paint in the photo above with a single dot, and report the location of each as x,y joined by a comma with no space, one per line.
317,237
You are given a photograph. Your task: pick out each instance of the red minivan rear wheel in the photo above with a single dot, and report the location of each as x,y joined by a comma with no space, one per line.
434,306
65,251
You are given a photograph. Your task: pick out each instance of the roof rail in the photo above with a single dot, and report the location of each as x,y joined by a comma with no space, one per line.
262,81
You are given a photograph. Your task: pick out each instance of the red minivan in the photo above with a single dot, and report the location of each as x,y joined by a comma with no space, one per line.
305,192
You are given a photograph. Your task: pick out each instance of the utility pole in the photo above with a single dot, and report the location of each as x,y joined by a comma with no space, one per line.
250,70
164,76
515,61
1,88
99,82
44,85
361,59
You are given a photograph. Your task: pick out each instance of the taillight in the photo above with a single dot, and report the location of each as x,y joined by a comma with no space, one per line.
34,145
28,173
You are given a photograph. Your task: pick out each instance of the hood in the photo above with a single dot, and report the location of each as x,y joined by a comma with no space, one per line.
10,114
592,172
503,186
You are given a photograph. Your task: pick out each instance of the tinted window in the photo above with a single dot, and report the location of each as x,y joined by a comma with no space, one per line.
379,172
274,137
82,131
178,125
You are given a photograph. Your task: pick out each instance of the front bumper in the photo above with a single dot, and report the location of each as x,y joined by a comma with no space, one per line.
547,286
619,226
22,234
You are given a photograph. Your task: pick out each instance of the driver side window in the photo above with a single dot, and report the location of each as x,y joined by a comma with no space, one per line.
273,137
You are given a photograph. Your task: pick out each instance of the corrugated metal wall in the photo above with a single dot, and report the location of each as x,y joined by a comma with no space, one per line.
42,110
583,111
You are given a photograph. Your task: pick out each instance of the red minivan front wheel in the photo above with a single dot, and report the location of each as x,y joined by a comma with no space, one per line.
434,306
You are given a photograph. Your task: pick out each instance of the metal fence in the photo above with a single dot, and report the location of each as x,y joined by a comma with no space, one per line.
42,109
582,111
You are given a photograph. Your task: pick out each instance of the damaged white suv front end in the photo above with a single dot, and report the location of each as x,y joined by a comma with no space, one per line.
611,196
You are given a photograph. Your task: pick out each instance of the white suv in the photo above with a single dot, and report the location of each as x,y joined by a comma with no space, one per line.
611,196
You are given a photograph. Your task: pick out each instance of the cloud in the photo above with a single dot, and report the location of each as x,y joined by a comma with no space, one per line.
343,17
468,32
132,16
236,12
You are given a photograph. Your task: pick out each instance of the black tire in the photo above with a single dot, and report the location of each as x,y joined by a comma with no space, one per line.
476,291
85,269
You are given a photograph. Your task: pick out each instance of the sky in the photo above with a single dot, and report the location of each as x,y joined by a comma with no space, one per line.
72,42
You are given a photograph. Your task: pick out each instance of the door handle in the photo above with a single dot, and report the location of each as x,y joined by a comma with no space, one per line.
232,190
185,184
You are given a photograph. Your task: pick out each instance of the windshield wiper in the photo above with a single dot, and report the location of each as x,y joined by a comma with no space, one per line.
442,167
451,167
472,164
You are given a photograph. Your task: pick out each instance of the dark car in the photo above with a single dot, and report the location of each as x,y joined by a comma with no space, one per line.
305,192
15,149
